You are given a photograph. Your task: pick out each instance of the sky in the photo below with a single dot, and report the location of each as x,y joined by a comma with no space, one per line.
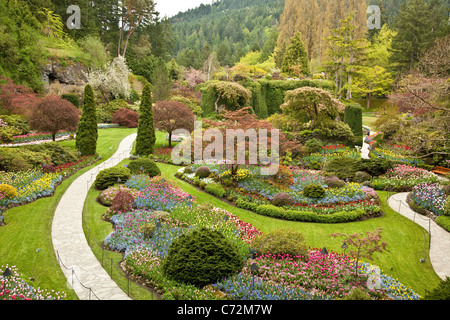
170,8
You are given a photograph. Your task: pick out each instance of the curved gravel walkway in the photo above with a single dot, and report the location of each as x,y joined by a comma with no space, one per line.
439,238
84,272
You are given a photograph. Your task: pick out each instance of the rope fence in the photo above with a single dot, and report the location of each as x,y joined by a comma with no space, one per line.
401,203
113,270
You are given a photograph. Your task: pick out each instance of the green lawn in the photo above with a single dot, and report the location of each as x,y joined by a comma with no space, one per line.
29,227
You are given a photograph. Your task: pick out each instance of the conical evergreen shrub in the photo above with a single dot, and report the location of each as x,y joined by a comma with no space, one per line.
87,132
146,137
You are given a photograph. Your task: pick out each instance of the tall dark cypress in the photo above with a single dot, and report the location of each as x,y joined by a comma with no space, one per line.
87,132
146,137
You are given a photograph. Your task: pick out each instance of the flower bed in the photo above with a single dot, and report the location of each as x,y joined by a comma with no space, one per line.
397,153
278,277
36,137
429,196
15,287
403,178
331,152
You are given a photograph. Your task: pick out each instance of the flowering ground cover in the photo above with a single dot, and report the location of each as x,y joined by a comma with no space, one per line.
34,184
15,287
403,178
331,152
398,153
429,196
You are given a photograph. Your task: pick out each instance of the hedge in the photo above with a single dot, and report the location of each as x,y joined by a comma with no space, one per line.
267,95
303,216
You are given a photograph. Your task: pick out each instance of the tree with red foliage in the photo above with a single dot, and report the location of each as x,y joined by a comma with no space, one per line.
52,114
126,117
16,99
172,115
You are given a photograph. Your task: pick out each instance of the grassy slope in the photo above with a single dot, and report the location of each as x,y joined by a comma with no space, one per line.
29,227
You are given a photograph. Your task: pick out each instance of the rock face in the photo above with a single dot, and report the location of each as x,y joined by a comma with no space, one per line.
69,73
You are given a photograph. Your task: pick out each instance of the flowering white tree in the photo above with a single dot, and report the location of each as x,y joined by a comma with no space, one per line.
112,81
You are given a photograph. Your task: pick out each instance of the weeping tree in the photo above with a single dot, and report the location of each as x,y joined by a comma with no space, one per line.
309,104
87,132
146,137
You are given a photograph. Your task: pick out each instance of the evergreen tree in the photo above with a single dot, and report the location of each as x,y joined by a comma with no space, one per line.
415,26
146,137
87,132
296,59
162,83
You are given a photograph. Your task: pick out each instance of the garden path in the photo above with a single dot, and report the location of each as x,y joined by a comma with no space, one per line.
439,238
82,269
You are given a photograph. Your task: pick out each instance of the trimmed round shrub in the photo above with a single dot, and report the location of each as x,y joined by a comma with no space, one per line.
357,294
314,191
144,165
343,167
8,191
282,199
109,177
202,257
280,242
361,176
202,172
447,207
334,182
375,167
216,189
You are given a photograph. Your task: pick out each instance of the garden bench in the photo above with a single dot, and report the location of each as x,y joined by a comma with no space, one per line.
441,170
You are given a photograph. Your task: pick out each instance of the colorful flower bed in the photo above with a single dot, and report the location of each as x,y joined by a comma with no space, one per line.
403,178
37,137
280,277
15,287
331,152
398,153
429,196
34,184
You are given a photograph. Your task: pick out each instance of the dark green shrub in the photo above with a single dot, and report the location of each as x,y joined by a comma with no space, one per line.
282,199
134,96
146,136
314,145
109,177
375,167
144,165
361,176
202,172
216,189
447,207
21,159
343,167
314,191
201,257
441,292
353,117
334,182
55,151
87,132
73,98
281,242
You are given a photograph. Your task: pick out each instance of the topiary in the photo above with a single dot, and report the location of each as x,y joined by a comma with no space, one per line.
144,165
314,191
201,257
282,199
8,191
343,167
334,182
202,172
109,177
361,176
281,242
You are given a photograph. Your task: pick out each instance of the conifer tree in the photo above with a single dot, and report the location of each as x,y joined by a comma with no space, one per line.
296,57
87,132
146,137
